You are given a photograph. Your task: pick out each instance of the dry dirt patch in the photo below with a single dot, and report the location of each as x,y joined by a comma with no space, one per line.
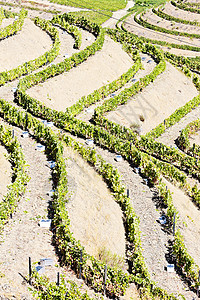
96,219
195,139
64,90
171,90
27,44
6,22
5,172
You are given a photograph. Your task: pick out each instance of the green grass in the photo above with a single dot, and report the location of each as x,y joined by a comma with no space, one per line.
93,16
108,5
140,5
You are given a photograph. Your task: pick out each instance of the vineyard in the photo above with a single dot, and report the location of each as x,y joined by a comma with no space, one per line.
100,149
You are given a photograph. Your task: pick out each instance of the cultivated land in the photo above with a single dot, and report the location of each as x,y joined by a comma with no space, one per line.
64,90
113,176
157,101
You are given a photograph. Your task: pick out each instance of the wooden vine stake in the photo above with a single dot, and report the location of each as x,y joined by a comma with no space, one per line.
13,133
105,278
174,224
198,288
81,260
26,122
128,193
30,270
58,279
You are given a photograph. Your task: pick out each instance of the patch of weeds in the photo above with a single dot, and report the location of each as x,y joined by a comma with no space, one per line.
113,260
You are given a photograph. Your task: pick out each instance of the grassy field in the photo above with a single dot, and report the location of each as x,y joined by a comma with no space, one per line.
105,5
97,17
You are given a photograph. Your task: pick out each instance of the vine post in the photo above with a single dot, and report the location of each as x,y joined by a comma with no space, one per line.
174,224
58,279
128,193
105,278
81,260
30,270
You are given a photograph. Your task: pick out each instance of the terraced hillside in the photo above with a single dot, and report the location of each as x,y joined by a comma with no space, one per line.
99,154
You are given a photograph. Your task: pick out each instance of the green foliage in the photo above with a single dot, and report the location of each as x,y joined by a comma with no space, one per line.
68,63
2,16
19,176
185,261
71,29
44,289
14,27
103,91
68,248
99,17
104,5
146,3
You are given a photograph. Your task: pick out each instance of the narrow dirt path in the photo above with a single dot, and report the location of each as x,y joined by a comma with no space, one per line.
181,52
6,22
45,4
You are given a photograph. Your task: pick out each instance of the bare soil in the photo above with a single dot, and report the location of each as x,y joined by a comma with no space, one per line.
96,219
27,44
6,22
170,90
64,90
195,138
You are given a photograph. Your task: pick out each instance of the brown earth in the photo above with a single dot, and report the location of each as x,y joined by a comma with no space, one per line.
170,90
64,90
